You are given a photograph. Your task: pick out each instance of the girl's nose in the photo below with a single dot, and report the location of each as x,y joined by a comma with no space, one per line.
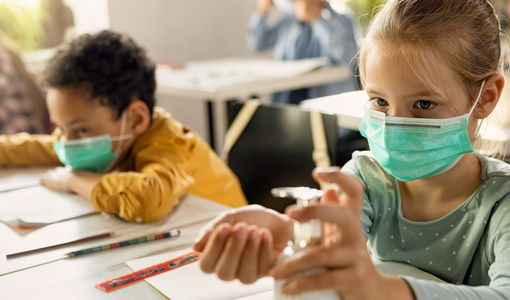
401,112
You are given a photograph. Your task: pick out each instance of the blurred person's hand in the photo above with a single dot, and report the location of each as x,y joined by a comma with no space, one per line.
308,10
263,6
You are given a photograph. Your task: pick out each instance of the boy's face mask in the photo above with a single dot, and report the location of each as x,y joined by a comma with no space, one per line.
92,154
414,148
286,6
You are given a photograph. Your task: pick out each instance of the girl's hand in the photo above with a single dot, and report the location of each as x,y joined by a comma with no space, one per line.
243,243
344,252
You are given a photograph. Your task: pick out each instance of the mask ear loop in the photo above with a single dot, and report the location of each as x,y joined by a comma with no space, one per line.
120,138
122,128
477,132
477,98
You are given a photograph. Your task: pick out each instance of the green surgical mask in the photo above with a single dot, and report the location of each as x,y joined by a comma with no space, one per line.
92,154
415,148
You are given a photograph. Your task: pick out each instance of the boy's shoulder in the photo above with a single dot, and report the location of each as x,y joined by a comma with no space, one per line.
165,130
162,120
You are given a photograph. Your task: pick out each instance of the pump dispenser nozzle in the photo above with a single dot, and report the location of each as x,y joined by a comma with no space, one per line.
304,233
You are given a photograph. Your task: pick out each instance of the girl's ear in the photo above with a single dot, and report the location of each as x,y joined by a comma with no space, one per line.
490,96
138,117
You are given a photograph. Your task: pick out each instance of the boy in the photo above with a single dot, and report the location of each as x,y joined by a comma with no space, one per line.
101,98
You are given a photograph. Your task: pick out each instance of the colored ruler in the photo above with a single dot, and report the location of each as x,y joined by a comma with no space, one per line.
128,279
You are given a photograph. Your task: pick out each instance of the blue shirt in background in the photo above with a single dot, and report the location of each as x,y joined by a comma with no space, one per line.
330,35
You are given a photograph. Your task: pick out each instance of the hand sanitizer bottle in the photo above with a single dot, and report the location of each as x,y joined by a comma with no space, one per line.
306,236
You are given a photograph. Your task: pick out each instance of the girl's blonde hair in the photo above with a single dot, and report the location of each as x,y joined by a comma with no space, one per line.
464,35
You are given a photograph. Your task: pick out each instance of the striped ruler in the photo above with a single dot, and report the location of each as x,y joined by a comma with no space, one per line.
136,276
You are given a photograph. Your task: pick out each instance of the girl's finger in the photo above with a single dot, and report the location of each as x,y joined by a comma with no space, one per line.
214,247
206,231
228,263
249,267
266,260
352,188
201,241
315,258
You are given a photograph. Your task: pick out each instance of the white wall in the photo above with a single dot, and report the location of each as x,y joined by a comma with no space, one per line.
184,30
89,16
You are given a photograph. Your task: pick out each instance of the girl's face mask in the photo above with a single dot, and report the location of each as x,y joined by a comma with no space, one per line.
92,154
415,148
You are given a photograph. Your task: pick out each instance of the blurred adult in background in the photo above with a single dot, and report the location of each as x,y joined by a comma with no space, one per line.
59,18
306,29
22,105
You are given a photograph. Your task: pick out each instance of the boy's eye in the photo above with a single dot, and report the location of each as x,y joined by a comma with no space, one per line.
82,130
423,104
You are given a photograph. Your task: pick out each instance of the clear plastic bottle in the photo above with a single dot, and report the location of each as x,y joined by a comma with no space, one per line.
306,236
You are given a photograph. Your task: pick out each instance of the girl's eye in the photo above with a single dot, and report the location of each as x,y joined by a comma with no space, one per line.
423,104
380,102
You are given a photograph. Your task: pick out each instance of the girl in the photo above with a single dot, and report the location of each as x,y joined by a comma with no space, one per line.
430,68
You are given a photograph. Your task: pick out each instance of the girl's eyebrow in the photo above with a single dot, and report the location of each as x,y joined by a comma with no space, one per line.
421,94
425,93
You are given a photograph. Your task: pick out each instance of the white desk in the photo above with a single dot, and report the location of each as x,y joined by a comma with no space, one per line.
74,278
347,106
239,84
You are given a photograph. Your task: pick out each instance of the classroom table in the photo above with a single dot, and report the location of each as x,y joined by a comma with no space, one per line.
218,93
74,278
347,106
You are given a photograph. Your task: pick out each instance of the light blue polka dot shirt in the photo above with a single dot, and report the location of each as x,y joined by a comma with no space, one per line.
469,247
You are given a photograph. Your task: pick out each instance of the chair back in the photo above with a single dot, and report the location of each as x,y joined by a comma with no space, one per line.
275,150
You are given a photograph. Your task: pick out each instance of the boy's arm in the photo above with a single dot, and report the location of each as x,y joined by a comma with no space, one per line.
144,196
23,149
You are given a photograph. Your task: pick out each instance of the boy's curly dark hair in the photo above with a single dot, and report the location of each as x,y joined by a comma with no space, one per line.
110,65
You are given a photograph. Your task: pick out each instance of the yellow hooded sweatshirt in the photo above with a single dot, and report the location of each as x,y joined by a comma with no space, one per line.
165,162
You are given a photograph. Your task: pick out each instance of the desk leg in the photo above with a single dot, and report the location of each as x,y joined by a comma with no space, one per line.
220,120
218,123
210,116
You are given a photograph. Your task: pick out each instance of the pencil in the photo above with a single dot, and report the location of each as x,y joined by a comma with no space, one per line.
45,248
145,239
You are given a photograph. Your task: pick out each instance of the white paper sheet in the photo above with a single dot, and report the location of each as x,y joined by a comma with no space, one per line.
190,283
37,206
12,179
217,74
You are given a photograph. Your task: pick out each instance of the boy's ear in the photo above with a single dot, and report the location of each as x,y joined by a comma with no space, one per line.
138,117
489,98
